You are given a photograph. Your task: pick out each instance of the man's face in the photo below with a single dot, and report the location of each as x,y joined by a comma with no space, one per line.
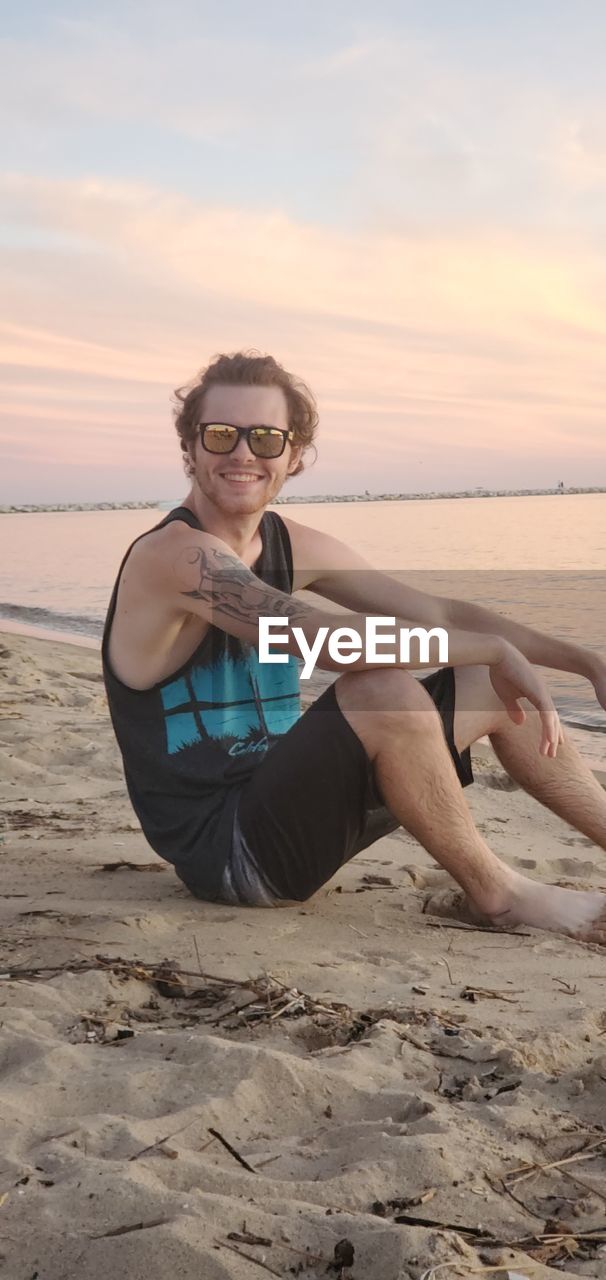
239,483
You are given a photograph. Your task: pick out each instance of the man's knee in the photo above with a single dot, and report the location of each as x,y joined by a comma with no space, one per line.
477,700
390,702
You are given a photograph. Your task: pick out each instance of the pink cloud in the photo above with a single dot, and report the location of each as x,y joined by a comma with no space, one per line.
441,341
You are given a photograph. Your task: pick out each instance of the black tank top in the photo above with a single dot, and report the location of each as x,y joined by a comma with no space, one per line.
190,741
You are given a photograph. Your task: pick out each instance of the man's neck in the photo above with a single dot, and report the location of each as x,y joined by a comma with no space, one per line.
238,531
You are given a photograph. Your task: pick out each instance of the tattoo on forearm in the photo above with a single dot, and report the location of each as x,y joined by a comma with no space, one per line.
233,590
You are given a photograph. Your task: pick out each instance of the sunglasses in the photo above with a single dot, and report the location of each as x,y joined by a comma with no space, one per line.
263,442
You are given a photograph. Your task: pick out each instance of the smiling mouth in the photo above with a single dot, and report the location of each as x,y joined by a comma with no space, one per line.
240,477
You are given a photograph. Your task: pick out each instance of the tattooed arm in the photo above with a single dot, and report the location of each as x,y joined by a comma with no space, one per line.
201,574
214,582
205,577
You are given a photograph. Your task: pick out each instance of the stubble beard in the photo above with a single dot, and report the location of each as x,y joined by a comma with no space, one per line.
235,503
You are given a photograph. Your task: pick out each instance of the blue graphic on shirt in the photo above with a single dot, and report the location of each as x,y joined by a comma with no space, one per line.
240,703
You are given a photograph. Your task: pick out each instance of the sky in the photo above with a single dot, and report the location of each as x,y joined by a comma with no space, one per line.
405,204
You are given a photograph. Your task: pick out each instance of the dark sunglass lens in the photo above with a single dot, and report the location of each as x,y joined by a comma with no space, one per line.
266,442
220,439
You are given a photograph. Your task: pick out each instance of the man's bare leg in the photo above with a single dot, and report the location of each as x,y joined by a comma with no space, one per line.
565,785
402,734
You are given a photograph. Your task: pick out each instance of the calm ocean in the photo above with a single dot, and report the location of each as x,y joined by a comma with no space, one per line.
540,560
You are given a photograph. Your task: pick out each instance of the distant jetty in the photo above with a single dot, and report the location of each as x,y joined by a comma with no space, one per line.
433,495
80,506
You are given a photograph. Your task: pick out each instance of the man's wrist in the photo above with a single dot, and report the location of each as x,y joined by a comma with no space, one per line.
591,665
498,649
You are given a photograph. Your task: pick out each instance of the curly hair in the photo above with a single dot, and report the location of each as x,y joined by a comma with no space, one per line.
246,369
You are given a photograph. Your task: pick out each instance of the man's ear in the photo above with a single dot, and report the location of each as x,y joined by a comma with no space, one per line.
190,460
296,454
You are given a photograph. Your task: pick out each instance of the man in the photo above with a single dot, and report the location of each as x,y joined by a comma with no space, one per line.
254,803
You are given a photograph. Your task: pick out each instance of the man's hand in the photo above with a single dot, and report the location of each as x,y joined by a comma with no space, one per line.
513,678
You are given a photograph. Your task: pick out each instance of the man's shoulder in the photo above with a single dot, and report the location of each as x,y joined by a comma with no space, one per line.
305,535
156,550
316,553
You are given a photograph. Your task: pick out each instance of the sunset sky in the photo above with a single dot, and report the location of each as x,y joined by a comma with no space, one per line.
405,204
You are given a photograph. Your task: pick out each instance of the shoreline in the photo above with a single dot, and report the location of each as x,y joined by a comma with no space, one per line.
29,631
429,496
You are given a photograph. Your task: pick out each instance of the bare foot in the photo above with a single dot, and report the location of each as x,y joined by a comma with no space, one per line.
547,906
542,906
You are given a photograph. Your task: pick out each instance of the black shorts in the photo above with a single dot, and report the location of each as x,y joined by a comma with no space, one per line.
312,803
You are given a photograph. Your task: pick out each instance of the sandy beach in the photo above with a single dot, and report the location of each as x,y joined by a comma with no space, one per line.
356,1087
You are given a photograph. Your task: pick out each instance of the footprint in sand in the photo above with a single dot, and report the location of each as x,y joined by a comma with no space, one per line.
429,877
452,904
575,868
497,781
550,868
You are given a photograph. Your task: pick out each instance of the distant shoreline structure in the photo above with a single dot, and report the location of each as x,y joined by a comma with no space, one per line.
24,509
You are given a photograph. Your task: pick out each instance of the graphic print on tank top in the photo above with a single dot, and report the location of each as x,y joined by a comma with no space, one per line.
235,700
